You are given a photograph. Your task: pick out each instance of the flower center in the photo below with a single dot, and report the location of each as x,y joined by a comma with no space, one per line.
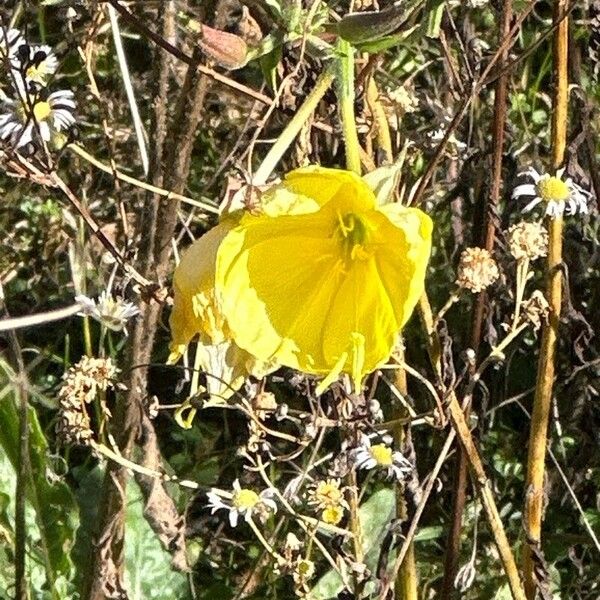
553,189
382,454
245,499
33,73
353,234
41,111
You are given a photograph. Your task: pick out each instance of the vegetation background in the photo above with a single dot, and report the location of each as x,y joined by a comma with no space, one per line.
92,215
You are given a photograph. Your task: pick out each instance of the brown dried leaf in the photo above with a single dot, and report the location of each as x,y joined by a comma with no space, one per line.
159,509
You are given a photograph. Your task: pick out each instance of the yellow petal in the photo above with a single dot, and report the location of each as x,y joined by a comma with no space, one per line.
194,311
263,284
322,185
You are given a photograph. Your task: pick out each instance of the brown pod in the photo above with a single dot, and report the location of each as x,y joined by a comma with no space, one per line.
228,50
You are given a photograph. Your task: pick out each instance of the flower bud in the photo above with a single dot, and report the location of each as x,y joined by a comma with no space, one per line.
362,27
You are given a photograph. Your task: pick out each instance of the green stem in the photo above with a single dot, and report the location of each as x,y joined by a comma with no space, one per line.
293,127
345,91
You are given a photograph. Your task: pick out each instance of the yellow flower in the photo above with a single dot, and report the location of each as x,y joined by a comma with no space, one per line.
332,515
327,288
196,313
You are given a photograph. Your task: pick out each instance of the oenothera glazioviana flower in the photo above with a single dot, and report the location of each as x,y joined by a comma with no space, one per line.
325,286
196,313
318,278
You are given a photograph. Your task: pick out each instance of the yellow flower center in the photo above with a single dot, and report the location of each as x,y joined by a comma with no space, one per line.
332,515
245,499
41,111
553,189
353,234
328,493
382,454
34,73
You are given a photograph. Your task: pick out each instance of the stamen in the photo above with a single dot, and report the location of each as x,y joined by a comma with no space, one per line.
358,360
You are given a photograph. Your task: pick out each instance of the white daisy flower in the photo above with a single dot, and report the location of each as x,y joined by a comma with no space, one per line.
10,42
381,456
36,65
242,502
29,119
560,195
112,312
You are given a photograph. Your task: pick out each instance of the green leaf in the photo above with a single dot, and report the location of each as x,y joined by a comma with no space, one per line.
433,20
375,515
384,43
148,572
52,529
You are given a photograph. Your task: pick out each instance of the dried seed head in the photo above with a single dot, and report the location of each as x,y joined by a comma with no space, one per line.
528,240
476,270
536,309
73,426
83,380
81,385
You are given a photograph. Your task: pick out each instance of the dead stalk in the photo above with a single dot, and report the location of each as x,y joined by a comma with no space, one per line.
478,473
534,499
489,215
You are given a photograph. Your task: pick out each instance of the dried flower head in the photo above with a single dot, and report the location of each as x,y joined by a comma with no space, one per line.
536,309
528,240
73,426
476,270
81,385
304,569
83,380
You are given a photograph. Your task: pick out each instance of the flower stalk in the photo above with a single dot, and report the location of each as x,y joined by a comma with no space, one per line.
538,437
345,91
293,127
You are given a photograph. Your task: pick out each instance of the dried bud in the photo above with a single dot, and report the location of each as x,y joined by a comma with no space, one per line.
264,404
476,270
465,577
528,240
536,309
228,50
